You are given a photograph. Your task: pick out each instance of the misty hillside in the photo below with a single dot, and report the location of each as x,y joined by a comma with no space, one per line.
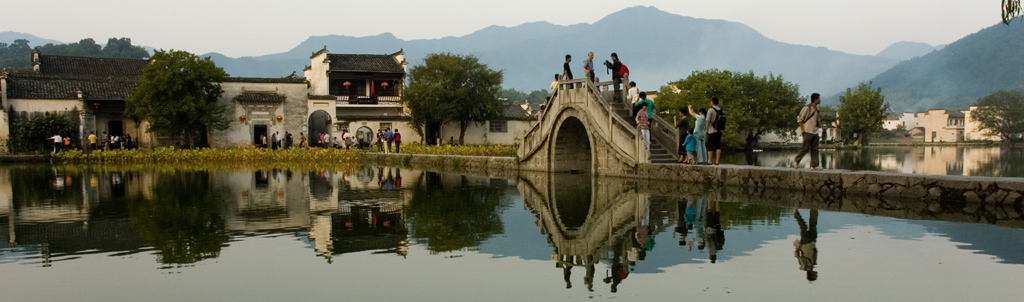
657,46
907,50
9,37
959,74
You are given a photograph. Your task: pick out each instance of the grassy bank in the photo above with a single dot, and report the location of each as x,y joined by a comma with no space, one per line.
256,156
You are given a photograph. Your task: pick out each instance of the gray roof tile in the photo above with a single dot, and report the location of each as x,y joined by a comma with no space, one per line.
366,63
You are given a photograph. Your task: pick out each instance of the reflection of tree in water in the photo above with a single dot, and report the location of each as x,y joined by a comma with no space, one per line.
735,215
1009,163
857,160
454,218
183,218
44,185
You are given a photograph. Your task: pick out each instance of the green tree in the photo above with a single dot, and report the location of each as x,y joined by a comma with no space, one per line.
755,105
1011,8
123,49
862,111
33,135
182,220
454,88
15,54
1002,113
538,96
454,218
178,95
83,48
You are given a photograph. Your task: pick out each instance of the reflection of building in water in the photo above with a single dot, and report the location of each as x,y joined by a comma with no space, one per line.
940,161
64,213
974,158
264,200
367,213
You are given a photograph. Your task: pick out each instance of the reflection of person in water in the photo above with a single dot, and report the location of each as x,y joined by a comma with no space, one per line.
684,223
566,273
616,275
699,216
589,278
398,178
713,234
806,247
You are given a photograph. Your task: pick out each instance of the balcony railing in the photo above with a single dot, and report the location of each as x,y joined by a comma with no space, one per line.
392,100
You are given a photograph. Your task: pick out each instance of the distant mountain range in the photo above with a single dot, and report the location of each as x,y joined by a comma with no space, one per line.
907,50
657,46
958,74
9,37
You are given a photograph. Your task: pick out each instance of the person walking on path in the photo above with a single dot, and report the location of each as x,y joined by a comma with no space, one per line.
566,71
92,140
398,141
645,127
588,67
810,122
57,140
699,134
714,137
389,137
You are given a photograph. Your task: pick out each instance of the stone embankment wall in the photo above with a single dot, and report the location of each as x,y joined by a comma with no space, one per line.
990,190
994,190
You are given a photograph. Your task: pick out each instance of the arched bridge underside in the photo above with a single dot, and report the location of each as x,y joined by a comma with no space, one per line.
582,132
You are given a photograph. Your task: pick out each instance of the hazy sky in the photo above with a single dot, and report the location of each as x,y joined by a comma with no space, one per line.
257,27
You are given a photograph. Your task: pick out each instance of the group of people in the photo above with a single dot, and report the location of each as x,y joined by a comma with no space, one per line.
701,144
277,140
106,142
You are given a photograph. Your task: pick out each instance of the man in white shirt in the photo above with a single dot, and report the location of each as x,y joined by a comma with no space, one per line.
810,123
57,141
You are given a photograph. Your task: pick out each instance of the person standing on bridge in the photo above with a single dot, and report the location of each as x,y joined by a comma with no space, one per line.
588,67
699,134
714,137
810,121
554,85
682,127
645,127
615,67
566,71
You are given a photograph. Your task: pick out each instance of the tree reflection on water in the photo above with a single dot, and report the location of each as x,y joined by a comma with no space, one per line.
452,218
182,218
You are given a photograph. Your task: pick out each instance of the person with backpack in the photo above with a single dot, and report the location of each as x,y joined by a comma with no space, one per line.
389,137
618,71
398,141
715,126
810,123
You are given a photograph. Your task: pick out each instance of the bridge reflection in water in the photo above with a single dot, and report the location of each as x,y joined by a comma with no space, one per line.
591,219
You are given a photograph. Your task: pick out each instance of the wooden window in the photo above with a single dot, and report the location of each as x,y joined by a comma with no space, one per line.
499,126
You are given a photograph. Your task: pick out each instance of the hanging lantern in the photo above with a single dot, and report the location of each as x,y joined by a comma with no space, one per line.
279,118
96,105
241,118
384,84
346,84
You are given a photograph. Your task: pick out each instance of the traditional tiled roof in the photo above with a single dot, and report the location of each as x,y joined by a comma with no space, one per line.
16,70
515,112
259,97
955,114
82,66
265,80
67,87
367,63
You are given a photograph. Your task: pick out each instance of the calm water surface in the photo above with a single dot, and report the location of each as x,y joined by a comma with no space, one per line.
389,234
940,160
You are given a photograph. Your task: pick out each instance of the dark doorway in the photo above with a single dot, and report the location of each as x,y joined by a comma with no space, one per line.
365,136
319,122
433,133
115,128
258,131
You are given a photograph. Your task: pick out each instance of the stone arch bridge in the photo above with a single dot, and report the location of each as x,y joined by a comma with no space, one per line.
583,130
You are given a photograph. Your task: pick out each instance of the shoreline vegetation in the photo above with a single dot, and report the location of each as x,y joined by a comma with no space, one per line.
263,156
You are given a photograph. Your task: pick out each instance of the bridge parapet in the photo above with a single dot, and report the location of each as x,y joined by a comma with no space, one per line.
612,146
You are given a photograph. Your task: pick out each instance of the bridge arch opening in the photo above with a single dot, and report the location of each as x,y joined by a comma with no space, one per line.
572,151
573,196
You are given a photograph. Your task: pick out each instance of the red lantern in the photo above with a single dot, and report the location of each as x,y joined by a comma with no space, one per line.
346,84
279,118
241,117
96,105
384,84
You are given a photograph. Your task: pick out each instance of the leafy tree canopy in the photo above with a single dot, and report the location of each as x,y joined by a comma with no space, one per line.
1001,113
862,111
178,95
534,97
454,88
1011,9
18,54
755,105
